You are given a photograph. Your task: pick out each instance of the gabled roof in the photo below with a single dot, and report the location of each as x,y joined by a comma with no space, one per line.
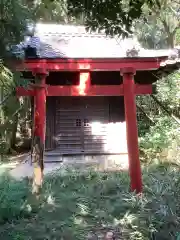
68,41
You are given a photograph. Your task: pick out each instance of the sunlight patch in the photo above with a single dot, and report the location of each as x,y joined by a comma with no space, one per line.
51,200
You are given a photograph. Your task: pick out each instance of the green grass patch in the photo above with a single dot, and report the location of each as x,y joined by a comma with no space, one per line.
76,205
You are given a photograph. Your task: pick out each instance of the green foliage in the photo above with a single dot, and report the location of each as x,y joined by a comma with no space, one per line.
13,19
10,80
15,118
151,34
51,11
75,204
54,11
12,110
13,195
113,16
169,91
178,36
157,17
158,25
6,77
163,137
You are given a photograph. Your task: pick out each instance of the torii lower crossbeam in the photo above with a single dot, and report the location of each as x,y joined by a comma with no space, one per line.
116,90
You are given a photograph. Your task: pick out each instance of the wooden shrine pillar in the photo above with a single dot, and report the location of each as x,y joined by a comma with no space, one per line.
38,141
131,129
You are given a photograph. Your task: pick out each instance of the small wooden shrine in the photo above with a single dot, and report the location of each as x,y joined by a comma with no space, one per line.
84,86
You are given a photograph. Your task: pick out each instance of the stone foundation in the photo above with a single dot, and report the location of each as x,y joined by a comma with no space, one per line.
99,162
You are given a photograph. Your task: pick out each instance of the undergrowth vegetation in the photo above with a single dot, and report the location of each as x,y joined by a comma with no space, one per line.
161,140
86,205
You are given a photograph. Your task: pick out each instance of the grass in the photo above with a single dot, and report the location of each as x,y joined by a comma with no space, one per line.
84,205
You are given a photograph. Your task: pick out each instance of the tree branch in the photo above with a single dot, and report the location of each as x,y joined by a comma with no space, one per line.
7,97
176,118
145,114
176,1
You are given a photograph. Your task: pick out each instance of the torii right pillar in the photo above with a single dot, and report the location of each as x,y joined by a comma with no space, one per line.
131,129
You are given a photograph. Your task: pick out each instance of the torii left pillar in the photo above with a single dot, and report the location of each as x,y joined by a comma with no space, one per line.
38,141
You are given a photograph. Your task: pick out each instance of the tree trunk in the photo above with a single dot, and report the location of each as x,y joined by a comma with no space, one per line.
14,131
14,127
171,40
170,34
1,108
32,115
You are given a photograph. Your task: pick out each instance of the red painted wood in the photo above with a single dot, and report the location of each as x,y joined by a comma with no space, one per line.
89,64
40,112
20,91
84,84
132,132
113,90
143,89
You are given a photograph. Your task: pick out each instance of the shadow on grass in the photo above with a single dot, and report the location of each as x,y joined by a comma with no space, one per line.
86,205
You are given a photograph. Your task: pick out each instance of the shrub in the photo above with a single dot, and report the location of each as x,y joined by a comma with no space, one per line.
13,195
161,140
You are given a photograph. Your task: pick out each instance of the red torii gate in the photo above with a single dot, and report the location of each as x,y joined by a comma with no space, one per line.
127,67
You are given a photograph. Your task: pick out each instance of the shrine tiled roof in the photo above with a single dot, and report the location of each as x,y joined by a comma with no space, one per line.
68,41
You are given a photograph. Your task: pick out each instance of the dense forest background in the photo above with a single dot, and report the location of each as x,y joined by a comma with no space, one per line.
156,23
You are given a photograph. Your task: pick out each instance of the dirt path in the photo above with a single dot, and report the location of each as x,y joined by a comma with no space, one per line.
25,169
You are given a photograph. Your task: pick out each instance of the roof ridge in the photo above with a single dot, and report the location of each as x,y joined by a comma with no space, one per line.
63,28
72,34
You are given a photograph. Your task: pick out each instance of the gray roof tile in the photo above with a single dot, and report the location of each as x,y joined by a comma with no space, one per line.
68,41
